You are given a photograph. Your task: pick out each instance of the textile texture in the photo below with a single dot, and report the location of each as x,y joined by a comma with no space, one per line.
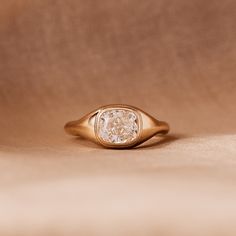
175,59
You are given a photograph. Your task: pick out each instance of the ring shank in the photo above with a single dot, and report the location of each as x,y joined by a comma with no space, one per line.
72,127
83,127
163,127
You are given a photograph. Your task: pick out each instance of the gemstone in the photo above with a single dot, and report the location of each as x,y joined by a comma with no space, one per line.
118,126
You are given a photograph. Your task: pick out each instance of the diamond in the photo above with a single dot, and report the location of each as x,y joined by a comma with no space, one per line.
118,126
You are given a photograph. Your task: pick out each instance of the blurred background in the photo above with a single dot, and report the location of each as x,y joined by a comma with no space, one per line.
175,59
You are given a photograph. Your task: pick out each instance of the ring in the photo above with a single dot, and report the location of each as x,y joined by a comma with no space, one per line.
117,126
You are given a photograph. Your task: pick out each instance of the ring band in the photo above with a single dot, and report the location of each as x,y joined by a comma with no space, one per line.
117,126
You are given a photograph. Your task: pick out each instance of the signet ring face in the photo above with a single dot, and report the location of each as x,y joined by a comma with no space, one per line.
117,126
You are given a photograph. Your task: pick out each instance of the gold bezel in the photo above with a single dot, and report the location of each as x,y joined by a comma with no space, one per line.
120,107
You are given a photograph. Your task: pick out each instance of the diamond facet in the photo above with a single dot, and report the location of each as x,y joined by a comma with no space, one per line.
118,126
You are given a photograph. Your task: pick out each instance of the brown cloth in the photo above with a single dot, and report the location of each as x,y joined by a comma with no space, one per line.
175,59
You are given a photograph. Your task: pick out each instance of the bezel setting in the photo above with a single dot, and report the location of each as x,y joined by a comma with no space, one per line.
118,126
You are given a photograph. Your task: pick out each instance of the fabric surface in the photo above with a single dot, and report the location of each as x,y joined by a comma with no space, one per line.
61,59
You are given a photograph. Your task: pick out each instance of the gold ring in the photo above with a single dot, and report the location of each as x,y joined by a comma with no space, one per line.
117,126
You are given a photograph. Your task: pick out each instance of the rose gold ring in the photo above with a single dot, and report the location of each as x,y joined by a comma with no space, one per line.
117,126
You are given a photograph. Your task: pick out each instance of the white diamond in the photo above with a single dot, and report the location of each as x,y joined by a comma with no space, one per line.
118,126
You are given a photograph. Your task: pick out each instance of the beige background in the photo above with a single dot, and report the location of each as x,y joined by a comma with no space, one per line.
61,59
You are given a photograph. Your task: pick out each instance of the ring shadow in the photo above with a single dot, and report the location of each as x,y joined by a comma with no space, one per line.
160,141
